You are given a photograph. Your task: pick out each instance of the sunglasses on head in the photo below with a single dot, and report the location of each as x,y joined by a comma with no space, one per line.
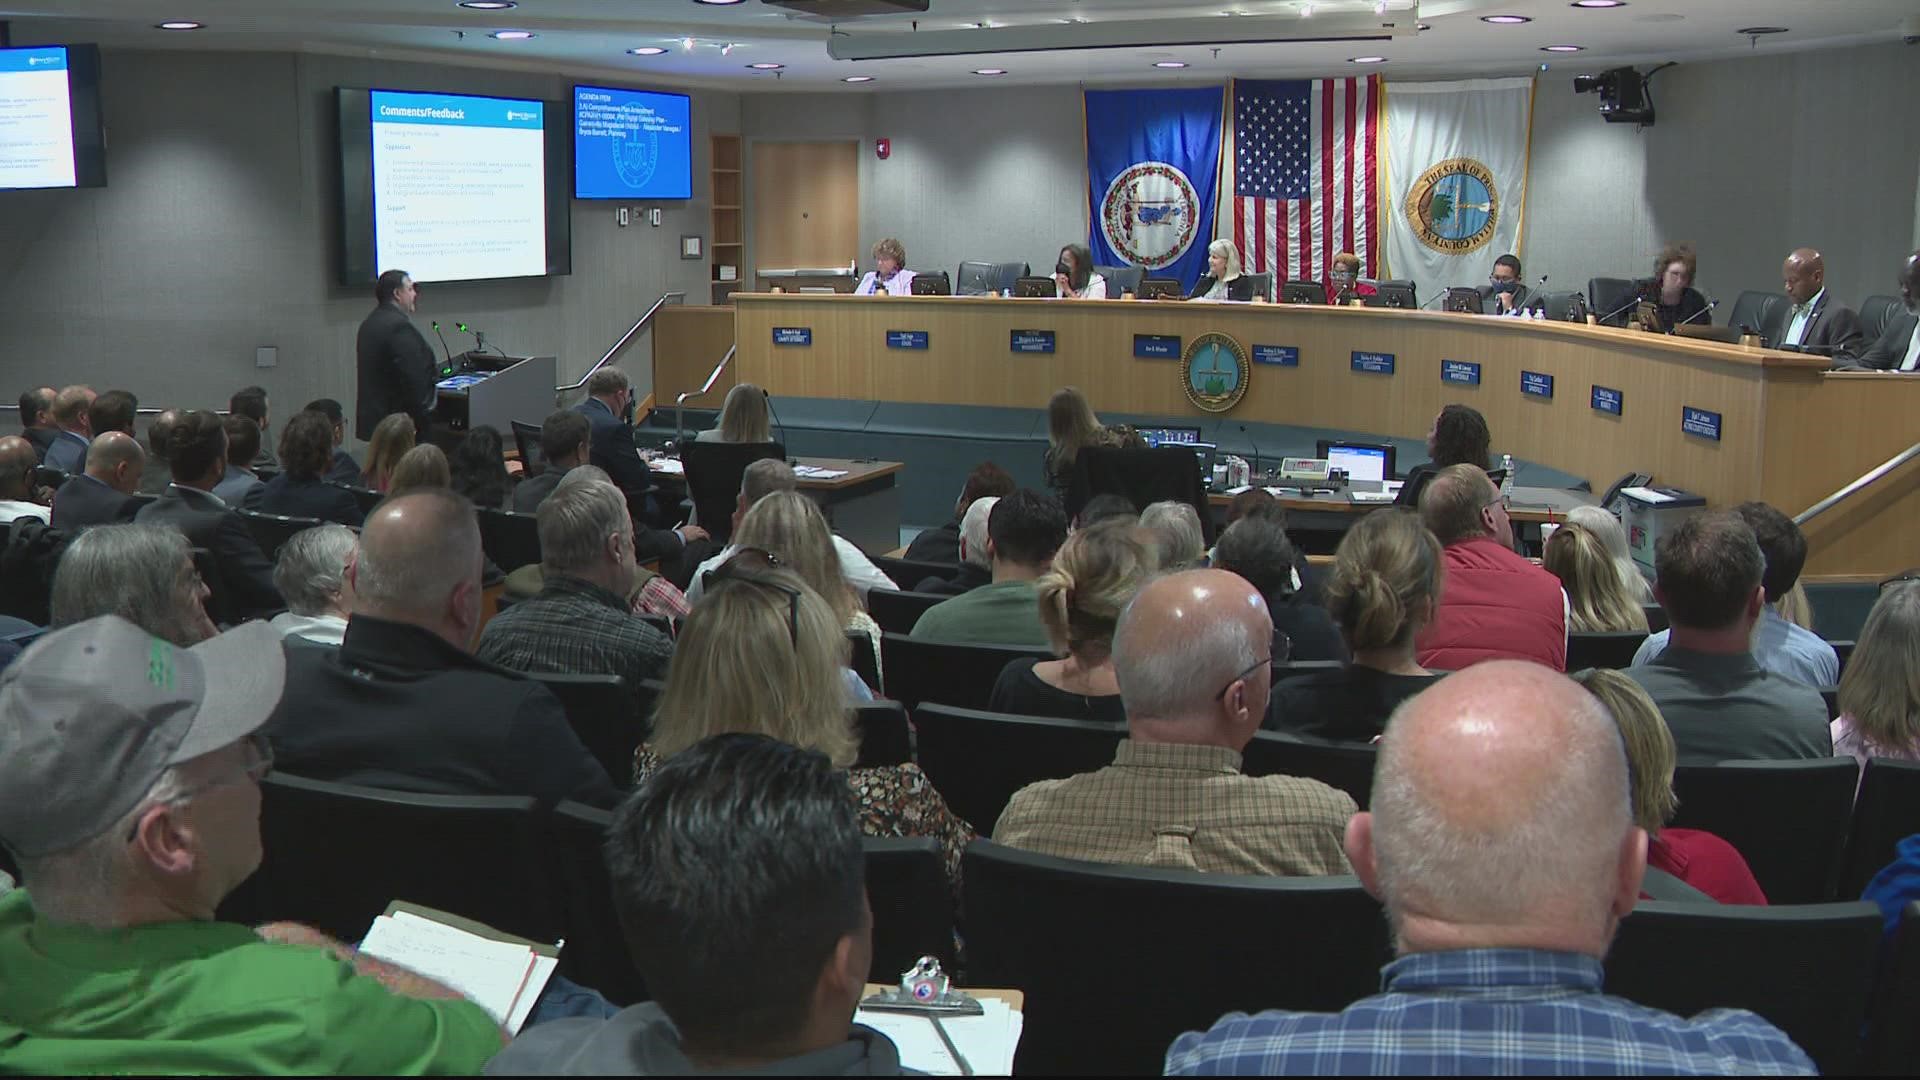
750,566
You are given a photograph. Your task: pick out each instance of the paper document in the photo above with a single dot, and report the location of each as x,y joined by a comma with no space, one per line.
501,977
815,472
1370,496
667,465
987,1042
1646,494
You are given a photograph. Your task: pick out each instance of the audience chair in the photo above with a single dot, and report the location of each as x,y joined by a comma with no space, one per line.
270,531
1831,695
1807,969
1142,477
1886,811
978,760
1603,650
946,672
1842,651
1656,618
906,573
26,572
337,854
1788,818
885,736
1893,1039
366,498
1117,961
1346,766
1764,312
1840,607
511,540
862,659
897,610
526,439
912,905
1877,313
596,954
603,714
713,479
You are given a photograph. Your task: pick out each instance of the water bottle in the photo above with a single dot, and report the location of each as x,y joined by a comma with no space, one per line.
1506,483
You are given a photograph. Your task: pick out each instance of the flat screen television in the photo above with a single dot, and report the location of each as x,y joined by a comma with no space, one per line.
631,144
452,187
50,131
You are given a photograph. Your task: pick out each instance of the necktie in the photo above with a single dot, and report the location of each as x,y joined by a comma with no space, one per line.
1913,351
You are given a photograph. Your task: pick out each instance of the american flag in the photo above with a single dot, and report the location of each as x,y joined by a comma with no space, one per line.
1303,179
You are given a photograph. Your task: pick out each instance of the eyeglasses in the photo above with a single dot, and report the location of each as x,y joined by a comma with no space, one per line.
747,566
1902,579
1222,695
259,762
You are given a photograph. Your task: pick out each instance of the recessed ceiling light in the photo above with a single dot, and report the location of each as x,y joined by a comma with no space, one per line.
1561,48
178,24
646,50
1169,63
489,5
989,71
1754,31
1366,60
858,78
1506,20
766,65
1598,5
513,35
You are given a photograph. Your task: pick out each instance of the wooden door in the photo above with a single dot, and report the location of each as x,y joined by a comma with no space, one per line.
806,205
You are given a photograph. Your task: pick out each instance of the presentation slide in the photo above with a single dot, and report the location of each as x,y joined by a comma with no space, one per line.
36,119
459,186
631,144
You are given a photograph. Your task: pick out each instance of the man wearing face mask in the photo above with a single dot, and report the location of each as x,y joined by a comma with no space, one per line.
1504,292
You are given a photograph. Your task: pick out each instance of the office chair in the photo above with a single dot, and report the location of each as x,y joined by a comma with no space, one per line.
713,479
1143,477
1877,313
1609,297
526,439
1763,312
1121,279
1261,284
510,539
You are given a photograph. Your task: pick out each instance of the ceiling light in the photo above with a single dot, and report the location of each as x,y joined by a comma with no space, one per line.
489,5
512,35
1367,60
1755,31
1599,5
178,24
1169,63
766,65
989,71
727,49
1506,20
646,50
858,78
1561,48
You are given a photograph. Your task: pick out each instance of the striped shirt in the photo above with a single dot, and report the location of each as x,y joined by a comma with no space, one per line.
1490,1012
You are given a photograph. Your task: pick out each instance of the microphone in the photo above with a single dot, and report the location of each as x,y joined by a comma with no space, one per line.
444,351
479,337
1711,304
1639,294
1434,299
1256,455
775,413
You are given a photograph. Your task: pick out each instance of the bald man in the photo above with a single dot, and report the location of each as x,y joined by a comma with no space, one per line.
17,461
1193,653
403,704
1817,323
1502,844
1898,348
103,495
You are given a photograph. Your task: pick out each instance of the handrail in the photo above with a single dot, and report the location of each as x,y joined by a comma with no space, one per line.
680,403
665,298
1870,477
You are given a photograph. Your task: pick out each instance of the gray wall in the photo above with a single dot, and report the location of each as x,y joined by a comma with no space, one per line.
218,229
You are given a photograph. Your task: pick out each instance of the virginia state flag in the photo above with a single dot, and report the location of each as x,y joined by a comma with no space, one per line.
1153,173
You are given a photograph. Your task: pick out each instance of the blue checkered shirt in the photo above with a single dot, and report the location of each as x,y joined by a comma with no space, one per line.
1489,1012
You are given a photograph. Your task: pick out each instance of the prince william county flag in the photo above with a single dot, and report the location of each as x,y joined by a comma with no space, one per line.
1153,168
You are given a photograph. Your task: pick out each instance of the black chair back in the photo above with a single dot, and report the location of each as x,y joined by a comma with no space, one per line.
863,660
1010,273
1806,969
949,673
511,540
1346,766
978,760
1261,284
1763,312
1787,818
270,531
906,573
1603,650
1893,1039
337,854
1142,477
897,610
1120,279
713,479
1117,961
596,954
30,554
1609,296
526,439
885,736
912,904
1843,652
976,279
366,498
1877,313
605,716
1840,608
1560,306
1656,617
1886,812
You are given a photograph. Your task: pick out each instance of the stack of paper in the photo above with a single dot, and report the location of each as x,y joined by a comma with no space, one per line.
668,465
986,1043
815,472
501,977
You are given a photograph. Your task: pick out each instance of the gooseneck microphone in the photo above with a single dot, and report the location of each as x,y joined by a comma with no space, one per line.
1256,455
1638,295
775,413
1711,304
444,351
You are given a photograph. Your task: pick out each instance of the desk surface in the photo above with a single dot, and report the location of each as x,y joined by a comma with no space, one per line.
857,472
1529,504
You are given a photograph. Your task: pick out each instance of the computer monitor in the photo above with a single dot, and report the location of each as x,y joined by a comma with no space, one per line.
1465,299
1169,436
1391,294
931,283
1034,287
1159,288
1303,292
1360,461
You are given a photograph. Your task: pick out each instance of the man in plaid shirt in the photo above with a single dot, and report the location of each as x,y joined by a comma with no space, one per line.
1501,842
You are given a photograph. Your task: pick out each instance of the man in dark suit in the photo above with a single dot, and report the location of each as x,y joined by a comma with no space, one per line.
243,579
565,443
609,399
36,419
103,495
1817,323
1504,291
1899,348
343,469
397,369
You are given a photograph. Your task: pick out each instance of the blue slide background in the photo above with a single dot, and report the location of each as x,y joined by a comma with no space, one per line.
596,172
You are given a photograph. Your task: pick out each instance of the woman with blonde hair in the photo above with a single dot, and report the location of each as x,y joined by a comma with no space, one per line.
1880,689
761,654
391,440
424,466
1613,536
788,526
1384,587
1698,858
1093,576
1071,428
1597,601
1223,279
743,418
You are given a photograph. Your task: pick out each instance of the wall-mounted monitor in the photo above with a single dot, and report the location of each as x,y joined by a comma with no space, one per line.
451,187
50,134
631,144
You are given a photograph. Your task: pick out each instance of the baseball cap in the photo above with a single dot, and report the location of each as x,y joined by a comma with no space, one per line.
92,714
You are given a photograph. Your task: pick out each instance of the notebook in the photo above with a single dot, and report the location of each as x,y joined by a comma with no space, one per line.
500,973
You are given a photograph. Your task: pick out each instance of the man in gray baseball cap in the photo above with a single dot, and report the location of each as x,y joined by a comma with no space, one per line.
129,794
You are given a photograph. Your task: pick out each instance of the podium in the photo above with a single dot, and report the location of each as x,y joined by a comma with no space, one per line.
516,388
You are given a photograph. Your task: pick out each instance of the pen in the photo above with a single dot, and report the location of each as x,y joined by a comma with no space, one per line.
958,1059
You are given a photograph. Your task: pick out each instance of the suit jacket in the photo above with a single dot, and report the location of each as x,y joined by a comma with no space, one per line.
1886,353
41,438
397,370
84,501
1833,329
397,707
239,489
343,470
309,498
67,452
1240,288
941,545
242,583
534,490
613,448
